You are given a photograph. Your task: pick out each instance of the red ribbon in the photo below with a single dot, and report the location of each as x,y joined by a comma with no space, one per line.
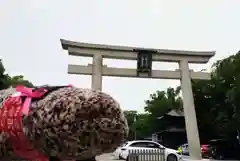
11,122
38,93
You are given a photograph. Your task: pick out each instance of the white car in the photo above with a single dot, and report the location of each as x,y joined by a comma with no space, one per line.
123,151
118,151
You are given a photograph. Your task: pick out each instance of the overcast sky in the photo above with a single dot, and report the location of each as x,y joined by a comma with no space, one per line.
31,31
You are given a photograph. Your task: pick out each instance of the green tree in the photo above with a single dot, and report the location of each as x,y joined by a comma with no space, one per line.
159,104
19,80
131,116
143,125
227,75
162,102
207,106
6,81
216,100
174,98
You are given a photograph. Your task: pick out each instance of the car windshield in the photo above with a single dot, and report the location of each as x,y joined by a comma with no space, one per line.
124,144
185,146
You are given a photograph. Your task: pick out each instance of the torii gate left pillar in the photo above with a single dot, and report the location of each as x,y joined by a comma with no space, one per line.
145,58
97,72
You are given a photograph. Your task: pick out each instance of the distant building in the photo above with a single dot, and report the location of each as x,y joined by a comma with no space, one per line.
175,134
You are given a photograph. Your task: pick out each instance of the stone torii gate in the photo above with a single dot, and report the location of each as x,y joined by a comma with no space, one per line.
144,59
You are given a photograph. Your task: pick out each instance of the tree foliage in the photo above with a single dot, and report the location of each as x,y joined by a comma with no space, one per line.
159,104
162,102
216,100
6,81
131,117
19,80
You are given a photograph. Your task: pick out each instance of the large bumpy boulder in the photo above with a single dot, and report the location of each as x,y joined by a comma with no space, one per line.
71,123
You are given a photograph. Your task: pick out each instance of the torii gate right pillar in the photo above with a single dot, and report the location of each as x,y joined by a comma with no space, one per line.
189,111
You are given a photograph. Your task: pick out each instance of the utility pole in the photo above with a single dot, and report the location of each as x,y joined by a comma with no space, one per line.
135,132
238,137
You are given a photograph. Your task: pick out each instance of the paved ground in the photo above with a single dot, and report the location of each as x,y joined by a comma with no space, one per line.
187,159
109,157
106,157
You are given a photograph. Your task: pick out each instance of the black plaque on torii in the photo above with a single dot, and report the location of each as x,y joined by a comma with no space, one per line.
144,62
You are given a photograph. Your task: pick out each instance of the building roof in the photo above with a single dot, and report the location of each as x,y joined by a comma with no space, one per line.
171,129
176,113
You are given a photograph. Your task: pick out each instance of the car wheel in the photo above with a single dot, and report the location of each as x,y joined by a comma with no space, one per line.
120,157
51,158
220,157
172,157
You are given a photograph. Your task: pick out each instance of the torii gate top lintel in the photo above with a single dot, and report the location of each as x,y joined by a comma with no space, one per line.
117,52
